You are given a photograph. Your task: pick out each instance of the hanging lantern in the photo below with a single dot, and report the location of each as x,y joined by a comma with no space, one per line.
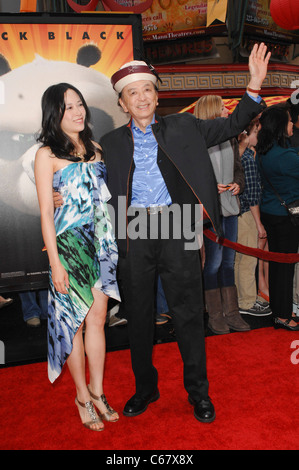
91,6
129,6
27,6
285,13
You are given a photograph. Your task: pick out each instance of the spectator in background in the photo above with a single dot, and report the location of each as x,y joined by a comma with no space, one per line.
162,310
279,167
219,280
296,292
5,302
250,227
294,112
294,141
34,306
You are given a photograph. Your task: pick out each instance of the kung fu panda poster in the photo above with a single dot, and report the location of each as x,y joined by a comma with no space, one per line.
36,51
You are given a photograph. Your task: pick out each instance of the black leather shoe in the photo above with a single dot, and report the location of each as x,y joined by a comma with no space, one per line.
137,405
285,324
203,410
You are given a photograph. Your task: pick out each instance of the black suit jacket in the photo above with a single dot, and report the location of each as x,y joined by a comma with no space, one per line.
183,159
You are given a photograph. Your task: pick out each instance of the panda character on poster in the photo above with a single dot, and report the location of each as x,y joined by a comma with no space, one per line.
21,90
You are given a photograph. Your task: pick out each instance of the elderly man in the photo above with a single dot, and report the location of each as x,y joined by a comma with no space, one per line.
155,163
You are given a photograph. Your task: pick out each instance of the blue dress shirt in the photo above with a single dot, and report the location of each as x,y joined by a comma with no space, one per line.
148,186
257,99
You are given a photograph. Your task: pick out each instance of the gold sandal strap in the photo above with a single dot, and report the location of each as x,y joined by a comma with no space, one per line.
93,395
103,399
91,411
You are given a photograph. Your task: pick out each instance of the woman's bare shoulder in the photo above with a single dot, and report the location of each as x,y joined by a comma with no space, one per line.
44,152
44,156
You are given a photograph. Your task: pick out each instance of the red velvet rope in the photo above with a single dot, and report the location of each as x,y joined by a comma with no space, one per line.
256,252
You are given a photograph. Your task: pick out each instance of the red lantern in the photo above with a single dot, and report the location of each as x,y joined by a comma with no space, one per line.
128,6
285,13
91,6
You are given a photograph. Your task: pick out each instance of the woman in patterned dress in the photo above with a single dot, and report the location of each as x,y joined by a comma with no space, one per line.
81,247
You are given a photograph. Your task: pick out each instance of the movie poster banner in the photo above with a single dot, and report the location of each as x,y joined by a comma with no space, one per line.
174,19
259,22
37,51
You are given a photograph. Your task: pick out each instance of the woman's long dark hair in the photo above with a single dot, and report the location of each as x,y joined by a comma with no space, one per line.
274,121
51,135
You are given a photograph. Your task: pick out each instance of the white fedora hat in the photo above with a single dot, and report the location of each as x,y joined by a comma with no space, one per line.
132,72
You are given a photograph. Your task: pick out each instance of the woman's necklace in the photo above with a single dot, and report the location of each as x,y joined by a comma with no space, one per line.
80,154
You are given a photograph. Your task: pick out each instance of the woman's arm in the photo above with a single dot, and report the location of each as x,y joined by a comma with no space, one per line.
255,211
43,170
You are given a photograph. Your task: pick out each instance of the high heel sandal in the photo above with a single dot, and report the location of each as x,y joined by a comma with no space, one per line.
107,415
92,413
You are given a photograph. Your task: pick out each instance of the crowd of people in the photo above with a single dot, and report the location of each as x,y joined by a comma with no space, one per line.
155,164
266,149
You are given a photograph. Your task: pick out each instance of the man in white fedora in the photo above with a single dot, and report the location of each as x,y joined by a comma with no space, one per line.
154,163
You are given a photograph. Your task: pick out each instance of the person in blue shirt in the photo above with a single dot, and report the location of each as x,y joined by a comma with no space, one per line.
279,168
155,163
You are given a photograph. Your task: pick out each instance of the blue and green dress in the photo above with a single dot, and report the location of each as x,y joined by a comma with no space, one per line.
87,249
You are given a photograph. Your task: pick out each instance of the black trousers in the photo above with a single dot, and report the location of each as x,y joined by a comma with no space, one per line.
181,276
283,237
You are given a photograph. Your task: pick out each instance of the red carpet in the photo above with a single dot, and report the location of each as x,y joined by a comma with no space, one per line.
253,384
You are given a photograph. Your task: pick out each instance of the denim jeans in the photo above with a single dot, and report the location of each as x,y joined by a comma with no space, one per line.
219,260
34,304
